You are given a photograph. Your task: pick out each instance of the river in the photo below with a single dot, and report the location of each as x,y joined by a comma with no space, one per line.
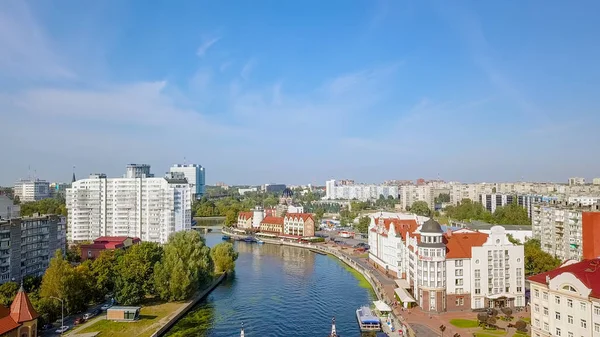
279,291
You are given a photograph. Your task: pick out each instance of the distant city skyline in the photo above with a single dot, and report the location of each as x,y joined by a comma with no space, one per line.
302,92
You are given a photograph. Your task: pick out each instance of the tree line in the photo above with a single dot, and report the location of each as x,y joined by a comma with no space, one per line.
44,206
171,272
511,214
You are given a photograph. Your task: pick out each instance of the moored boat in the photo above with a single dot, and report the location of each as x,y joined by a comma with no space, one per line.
259,241
333,330
249,239
367,321
226,237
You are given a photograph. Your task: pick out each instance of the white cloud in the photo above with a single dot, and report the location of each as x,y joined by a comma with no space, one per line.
247,69
206,45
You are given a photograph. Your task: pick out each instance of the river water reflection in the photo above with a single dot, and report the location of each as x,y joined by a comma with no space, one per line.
278,291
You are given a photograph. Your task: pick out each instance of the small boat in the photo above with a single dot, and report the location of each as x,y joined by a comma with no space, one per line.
226,237
249,239
259,241
367,321
333,330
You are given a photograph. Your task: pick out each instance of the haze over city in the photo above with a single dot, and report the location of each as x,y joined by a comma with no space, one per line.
301,92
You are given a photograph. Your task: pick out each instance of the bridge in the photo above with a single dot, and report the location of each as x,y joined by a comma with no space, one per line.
206,229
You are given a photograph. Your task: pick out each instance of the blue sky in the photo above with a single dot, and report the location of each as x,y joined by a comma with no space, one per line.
302,91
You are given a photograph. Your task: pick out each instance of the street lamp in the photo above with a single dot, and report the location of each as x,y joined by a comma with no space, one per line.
442,329
62,313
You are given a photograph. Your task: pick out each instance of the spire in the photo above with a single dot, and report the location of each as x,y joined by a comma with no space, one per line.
21,309
242,332
333,332
73,180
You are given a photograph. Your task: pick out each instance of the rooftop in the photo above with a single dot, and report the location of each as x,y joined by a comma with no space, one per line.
587,271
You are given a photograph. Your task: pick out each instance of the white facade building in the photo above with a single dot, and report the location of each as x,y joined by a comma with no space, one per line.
335,191
147,208
584,201
447,271
195,175
32,190
576,181
596,181
566,301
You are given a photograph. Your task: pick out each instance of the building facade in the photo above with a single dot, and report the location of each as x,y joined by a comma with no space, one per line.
299,224
148,208
27,244
567,231
411,193
245,220
449,270
195,175
566,301
272,225
576,181
93,250
8,209
32,190
20,319
335,190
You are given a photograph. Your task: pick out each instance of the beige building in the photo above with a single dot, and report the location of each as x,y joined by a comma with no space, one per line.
299,224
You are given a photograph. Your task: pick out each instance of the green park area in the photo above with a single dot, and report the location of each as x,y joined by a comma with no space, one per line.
464,323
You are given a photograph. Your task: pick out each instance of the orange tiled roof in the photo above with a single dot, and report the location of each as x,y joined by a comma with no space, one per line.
7,324
587,271
274,220
459,245
303,216
401,226
245,215
21,309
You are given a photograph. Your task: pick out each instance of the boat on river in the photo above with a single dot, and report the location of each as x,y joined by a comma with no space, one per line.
367,321
259,241
226,237
249,239
333,331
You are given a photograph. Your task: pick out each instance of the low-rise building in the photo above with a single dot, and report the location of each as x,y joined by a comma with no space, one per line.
272,225
448,270
92,251
21,319
567,231
245,220
299,224
566,301
27,244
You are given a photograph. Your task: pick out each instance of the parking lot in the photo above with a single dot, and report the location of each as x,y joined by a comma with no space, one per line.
333,235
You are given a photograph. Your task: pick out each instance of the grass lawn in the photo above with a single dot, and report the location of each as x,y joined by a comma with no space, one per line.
527,319
490,333
464,323
150,315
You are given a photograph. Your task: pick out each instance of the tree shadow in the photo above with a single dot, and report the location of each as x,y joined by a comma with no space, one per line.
149,317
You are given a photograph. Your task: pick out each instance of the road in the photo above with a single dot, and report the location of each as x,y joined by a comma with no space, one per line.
68,321
348,241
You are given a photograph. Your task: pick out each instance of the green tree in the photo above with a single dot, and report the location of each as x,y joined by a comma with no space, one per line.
45,206
185,267
363,224
134,272
536,260
224,257
513,240
63,281
420,208
74,253
231,217
442,197
511,214
8,291
468,210
103,273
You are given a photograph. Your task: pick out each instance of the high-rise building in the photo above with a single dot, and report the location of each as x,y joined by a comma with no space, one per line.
139,206
411,193
28,243
195,175
8,209
138,171
32,190
576,181
567,231
335,190
596,181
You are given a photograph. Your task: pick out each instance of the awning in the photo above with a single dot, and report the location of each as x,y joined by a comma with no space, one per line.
404,295
497,296
381,306
402,283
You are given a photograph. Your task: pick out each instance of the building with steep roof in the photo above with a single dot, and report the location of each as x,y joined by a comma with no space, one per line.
272,225
448,270
20,320
299,224
566,301
93,250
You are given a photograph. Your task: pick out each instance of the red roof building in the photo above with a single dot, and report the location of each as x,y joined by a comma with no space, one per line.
21,319
92,251
272,225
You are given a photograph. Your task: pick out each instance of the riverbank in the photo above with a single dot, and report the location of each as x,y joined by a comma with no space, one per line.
337,251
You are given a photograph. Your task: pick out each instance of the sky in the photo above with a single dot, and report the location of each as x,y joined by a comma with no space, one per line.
301,91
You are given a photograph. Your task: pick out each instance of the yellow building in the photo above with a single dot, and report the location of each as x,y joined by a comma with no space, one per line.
21,319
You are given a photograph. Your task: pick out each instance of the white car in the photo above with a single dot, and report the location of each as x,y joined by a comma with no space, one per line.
63,329
105,307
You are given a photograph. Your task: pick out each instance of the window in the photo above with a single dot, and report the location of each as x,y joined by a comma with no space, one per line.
545,311
458,272
537,308
537,293
596,327
583,306
458,263
557,299
557,315
546,326
460,301
519,289
477,273
537,322
459,290
570,334
583,323
477,291
596,310
570,303
569,288
545,296
570,319
558,332
458,282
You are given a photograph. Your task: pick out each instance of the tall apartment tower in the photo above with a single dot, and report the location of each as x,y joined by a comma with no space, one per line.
195,175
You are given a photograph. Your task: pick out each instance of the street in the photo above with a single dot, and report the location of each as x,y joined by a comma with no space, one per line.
69,320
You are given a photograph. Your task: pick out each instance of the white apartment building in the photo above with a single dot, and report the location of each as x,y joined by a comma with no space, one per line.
337,191
458,192
452,270
32,190
195,175
584,201
148,208
567,231
566,301
411,193
576,181
596,181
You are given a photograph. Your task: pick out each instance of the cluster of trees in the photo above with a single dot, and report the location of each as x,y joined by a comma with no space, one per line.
442,197
420,208
536,260
45,206
511,214
172,272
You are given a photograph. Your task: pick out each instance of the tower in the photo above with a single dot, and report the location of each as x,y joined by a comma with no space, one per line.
431,267
257,217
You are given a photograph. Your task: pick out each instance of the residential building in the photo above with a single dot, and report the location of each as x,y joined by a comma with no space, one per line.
448,270
28,243
335,190
92,251
576,181
20,319
195,175
299,224
243,191
458,192
566,301
596,181
584,201
567,231
272,225
521,233
8,209
138,171
245,220
59,190
139,205
274,188
409,194
32,190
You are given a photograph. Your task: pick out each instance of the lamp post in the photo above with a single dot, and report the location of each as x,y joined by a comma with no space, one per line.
62,313
442,329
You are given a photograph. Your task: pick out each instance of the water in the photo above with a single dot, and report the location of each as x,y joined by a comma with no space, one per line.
278,291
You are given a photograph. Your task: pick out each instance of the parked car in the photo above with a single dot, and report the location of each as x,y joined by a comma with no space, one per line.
62,329
91,314
47,326
79,320
106,306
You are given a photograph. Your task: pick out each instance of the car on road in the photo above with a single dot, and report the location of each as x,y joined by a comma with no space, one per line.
47,327
62,329
106,306
91,314
79,320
